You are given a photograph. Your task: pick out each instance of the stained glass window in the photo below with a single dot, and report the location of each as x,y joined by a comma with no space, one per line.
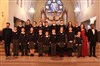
54,5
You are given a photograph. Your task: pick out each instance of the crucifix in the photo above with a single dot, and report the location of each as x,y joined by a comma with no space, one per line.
54,15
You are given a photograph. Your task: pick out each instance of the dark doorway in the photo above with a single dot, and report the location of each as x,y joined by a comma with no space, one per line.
16,21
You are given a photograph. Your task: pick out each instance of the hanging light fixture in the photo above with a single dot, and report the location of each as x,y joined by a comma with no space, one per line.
31,10
77,9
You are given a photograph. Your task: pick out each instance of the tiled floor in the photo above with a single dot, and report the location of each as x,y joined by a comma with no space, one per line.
49,61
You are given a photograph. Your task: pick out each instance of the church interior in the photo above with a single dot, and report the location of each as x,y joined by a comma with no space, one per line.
85,12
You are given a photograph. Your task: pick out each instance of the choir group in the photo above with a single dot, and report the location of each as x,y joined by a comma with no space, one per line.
52,40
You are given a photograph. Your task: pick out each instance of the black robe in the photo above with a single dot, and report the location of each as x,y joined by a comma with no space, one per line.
46,29
53,38
76,29
7,34
32,37
64,27
46,44
92,37
15,35
54,27
27,28
22,38
19,28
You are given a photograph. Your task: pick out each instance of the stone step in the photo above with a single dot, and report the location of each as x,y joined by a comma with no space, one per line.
2,53
1,46
36,54
49,61
98,50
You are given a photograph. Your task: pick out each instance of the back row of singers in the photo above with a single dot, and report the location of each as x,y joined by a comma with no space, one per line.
50,38
46,27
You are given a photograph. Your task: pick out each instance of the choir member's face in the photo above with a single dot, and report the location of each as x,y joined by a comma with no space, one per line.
92,26
40,23
31,29
70,29
61,22
46,33
53,22
79,33
53,31
46,23
61,29
15,28
28,22
22,30
20,23
34,23
82,26
7,25
76,24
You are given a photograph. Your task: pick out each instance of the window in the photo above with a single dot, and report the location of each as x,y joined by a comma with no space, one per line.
54,6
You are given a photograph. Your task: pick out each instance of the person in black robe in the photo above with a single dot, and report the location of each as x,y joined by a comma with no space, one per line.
27,30
62,25
34,25
69,25
19,27
46,43
70,39
28,26
78,43
40,42
40,27
7,38
76,28
23,42
54,26
46,27
32,39
92,39
15,37
61,41
53,42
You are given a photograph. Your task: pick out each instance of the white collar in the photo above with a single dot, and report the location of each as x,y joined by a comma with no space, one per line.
23,32
46,36
40,33
54,33
20,25
53,24
14,31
